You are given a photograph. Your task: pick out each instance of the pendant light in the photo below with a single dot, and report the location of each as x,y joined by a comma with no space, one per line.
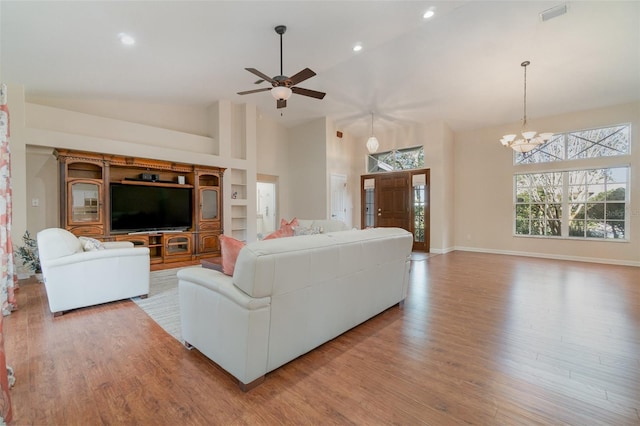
529,139
372,142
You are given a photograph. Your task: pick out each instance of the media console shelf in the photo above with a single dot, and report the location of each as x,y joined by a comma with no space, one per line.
86,204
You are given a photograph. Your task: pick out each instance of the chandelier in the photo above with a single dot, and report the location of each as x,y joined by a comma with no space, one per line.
529,139
372,142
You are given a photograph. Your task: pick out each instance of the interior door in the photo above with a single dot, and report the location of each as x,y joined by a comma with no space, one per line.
339,198
393,207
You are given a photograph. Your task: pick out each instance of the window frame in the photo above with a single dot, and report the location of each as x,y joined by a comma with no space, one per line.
566,166
375,158
566,203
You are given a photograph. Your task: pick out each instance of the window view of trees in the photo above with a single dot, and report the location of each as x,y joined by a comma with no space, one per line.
400,159
584,203
593,201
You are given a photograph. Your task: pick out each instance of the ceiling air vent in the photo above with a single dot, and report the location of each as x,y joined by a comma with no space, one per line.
553,12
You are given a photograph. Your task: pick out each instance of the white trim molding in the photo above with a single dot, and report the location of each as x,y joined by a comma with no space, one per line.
551,256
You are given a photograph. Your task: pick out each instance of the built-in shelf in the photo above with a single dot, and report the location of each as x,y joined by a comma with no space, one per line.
154,183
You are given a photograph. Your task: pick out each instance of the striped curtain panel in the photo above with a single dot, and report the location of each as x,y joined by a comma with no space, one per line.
8,276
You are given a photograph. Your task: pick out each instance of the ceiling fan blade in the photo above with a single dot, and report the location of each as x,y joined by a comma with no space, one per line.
261,75
301,76
307,92
264,89
282,103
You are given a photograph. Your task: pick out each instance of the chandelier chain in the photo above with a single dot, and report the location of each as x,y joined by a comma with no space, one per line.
371,123
524,122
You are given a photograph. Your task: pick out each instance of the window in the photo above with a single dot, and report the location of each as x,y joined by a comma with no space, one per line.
594,143
419,204
584,203
400,159
581,202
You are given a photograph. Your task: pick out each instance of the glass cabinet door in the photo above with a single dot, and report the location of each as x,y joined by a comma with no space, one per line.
84,200
209,204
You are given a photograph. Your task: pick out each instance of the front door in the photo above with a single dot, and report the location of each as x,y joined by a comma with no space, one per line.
400,200
394,201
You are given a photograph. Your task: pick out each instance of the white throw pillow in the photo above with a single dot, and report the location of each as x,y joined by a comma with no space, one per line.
301,230
91,244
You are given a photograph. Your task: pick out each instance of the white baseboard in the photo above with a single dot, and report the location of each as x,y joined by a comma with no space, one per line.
551,256
442,251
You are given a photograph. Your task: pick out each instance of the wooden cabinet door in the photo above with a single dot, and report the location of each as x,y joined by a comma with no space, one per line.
208,243
85,209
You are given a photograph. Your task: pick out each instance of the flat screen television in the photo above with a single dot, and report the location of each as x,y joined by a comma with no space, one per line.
137,208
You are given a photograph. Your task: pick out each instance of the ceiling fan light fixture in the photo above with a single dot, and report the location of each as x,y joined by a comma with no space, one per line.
281,93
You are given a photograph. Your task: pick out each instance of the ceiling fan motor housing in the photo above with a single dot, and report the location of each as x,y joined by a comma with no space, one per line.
282,85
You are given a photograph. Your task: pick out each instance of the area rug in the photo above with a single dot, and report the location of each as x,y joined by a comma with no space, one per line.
163,305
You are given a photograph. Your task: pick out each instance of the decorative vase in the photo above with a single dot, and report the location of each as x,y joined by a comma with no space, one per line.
39,276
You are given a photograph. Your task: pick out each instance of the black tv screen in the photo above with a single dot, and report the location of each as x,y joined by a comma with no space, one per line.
137,208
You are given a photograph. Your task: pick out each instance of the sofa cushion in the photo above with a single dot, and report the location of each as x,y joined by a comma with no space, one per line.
286,229
230,248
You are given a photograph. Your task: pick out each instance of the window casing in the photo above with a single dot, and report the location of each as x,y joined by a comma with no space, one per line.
579,201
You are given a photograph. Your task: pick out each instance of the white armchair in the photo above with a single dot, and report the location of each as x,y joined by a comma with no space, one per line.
75,277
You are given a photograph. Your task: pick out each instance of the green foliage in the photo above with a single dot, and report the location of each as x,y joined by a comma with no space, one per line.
29,253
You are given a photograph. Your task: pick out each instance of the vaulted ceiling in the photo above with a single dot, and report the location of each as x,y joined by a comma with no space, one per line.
462,65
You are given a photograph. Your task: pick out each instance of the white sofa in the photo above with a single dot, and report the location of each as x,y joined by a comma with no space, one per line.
290,295
75,278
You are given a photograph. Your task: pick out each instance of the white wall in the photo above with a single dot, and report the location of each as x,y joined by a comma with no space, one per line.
484,191
340,160
191,119
273,159
42,187
308,170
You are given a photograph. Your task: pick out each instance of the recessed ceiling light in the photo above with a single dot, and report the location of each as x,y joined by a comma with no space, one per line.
126,39
357,47
429,13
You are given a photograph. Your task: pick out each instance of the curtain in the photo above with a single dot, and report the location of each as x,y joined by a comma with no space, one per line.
8,276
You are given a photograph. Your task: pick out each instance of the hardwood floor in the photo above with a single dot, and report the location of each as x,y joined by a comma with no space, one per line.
482,339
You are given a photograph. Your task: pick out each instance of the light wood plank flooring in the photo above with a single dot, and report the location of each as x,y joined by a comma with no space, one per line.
482,339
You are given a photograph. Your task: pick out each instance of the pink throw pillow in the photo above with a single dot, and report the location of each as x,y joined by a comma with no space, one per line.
230,248
286,229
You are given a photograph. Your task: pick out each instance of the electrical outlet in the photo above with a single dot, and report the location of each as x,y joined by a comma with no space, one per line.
35,202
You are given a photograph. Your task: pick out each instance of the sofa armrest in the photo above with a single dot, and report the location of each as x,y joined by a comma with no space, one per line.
222,284
88,256
117,244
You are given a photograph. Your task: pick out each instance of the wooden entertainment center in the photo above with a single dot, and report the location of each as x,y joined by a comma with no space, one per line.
85,202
